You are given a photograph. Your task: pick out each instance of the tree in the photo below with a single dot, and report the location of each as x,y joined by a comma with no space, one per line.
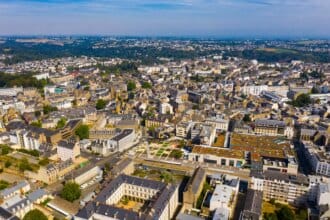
7,164
315,90
35,214
37,124
270,216
302,100
131,86
146,85
44,161
246,118
24,165
71,191
5,149
101,104
61,123
177,154
48,109
82,132
285,213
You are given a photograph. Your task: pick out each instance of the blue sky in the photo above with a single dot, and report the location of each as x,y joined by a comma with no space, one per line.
223,18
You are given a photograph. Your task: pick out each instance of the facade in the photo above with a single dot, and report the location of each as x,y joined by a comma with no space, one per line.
269,127
194,188
286,188
162,198
20,188
217,156
123,141
318,159
68,150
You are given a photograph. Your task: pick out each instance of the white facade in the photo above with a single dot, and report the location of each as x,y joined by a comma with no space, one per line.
254,90
165,108
323,196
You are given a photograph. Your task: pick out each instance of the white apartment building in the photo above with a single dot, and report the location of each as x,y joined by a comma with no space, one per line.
319,159
254,89
68,150
293,189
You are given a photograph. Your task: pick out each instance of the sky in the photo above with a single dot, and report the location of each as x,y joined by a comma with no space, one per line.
209,18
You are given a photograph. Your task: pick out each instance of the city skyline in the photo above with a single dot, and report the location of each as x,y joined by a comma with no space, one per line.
213,18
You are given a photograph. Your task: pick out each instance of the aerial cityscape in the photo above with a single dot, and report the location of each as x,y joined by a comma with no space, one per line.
189,120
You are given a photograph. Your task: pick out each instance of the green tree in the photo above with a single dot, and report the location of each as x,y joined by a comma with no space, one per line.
61,123
24,165
35,214
131,86
37,124
270,216
48,109
7,164
285,213
71,191
246,118
146,85
5,149
82,132
3,184
302,100
101,104
44,161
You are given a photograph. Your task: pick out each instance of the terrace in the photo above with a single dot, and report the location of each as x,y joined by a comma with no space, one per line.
261,146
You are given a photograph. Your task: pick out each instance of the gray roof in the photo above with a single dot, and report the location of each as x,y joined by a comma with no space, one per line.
253,205
165,192
123,134
197,179
276,175
269,123
10,190
5,214
35,195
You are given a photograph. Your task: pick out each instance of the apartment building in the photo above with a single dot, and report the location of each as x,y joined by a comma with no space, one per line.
286,188
194,188
318,158
269,127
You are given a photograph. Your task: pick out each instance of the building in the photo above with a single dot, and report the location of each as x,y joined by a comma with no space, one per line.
67,150
20,188
88,175
269,127
319,159
254,89
125,166
253,206
162,199
283,187
323,194
220,156
222,197
123,141
220,123
52,172
194,188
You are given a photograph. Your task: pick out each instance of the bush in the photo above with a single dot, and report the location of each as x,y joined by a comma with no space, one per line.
82,132
101,104
34,153
61,123
302,100
48,109
7,164
131,86
24,165
5,149
3,184
71,191
44,162
35,214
